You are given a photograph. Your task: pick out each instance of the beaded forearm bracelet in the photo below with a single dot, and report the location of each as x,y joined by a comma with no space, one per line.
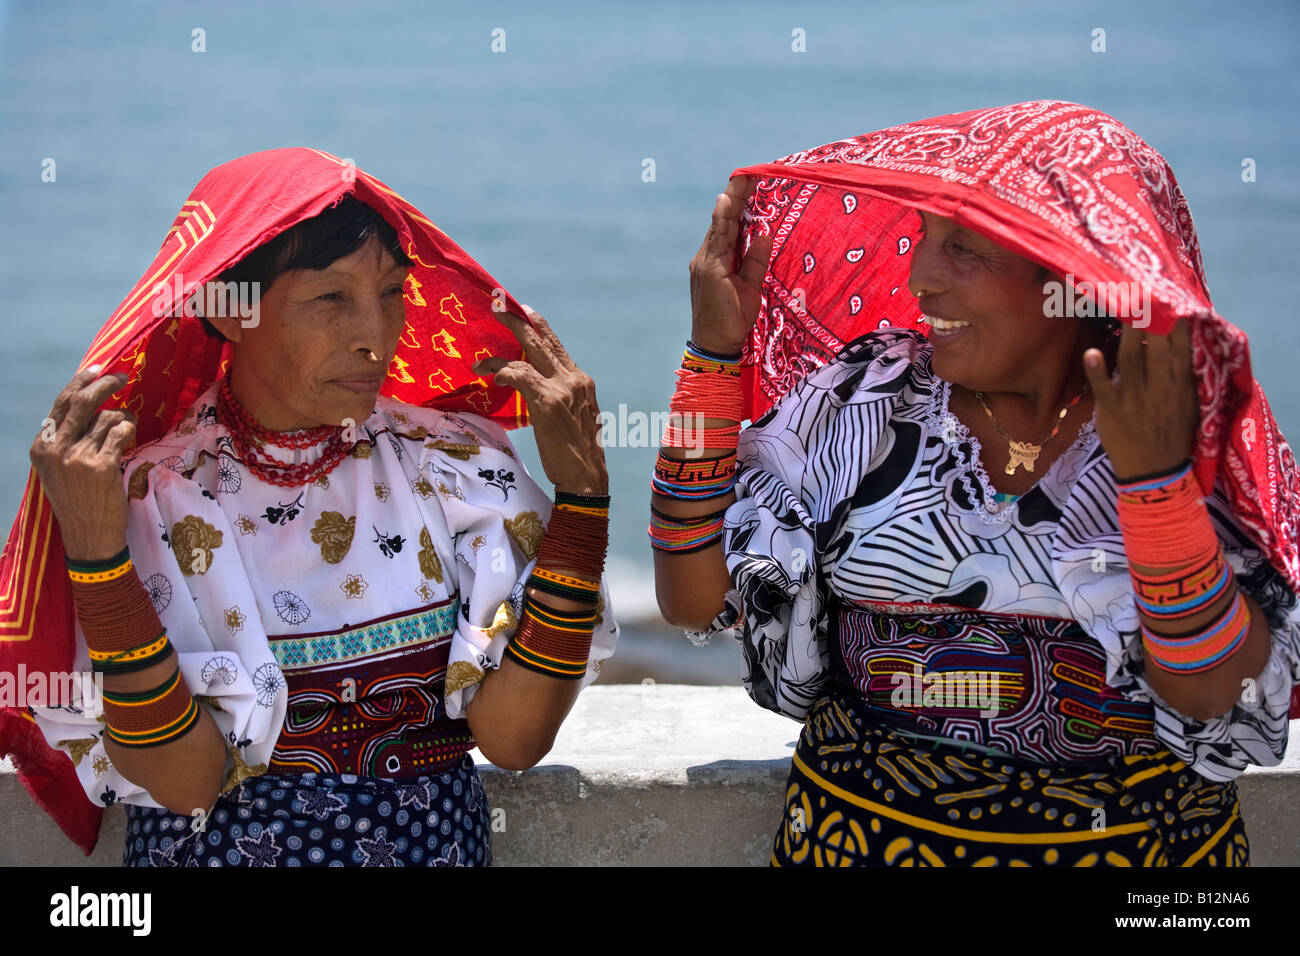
708,386
553,641
683,535
696,359
151,717
122,628
694,479
124,634
1165,525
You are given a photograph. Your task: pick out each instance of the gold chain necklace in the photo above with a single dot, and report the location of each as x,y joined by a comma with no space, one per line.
1023,452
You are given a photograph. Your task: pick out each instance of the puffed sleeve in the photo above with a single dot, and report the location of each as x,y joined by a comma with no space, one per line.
183,550
797,467
1095,579
495,515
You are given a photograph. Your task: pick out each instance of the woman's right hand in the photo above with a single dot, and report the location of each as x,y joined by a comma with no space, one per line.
724,300
78,457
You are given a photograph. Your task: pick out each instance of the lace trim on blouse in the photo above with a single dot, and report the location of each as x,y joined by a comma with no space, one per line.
990,505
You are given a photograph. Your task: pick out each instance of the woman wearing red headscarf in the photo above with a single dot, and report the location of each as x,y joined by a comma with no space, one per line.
1029,577
324,575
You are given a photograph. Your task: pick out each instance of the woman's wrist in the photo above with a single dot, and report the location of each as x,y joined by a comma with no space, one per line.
575,543
593,484
713,348
1140,474
92,551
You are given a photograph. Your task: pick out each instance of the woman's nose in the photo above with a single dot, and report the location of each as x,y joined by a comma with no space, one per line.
371,327
926,274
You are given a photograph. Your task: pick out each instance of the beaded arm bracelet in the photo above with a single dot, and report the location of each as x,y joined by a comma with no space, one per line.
123,631
708,386
124,634
152,717
684,535
696,479
1165,525
550,640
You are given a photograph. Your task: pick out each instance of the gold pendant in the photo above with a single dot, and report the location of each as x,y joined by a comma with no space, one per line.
1022,453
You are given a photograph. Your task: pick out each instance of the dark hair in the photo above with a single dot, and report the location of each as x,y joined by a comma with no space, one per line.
315,243
1101,322
1104,325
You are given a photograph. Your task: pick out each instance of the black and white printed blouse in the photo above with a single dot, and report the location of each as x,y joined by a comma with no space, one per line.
860,487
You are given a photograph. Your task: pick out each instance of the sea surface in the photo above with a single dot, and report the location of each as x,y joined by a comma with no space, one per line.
532,160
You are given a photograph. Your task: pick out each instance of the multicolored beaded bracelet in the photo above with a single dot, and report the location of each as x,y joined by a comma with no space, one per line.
675,535
694,479
1165,525
122,628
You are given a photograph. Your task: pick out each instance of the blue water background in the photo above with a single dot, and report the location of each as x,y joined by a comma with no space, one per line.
532,159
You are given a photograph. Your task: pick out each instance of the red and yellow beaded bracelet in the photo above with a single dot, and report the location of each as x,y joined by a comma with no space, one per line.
1165,525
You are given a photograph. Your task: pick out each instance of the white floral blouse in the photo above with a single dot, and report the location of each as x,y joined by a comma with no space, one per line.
430,527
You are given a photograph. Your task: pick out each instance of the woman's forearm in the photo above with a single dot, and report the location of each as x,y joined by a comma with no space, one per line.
519,707
692,489
516,713
1214,692
185,775
155,734
690,587
1204,640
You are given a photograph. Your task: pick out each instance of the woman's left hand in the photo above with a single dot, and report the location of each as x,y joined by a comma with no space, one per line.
561,405
1147,411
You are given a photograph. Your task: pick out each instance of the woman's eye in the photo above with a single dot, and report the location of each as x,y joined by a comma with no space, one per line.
395,290
331,297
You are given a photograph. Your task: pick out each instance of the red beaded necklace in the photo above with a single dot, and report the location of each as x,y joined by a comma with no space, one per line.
249,437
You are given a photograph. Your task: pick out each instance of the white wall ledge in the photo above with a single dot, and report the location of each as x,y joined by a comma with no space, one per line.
663,774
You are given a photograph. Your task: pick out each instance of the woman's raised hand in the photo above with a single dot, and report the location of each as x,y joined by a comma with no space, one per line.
561,405
1147,409
724,300
78,456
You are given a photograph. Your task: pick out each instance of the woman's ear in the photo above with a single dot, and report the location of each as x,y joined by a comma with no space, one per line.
226,326
224,311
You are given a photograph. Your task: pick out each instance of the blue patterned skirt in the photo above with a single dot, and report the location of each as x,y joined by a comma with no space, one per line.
314,819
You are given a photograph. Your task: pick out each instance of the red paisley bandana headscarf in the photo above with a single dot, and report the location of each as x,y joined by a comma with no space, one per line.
170,360
1057,183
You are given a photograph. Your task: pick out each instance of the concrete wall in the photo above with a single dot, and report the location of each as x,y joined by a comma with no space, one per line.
636,778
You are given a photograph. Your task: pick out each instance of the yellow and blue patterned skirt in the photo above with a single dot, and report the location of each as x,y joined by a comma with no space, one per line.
861,794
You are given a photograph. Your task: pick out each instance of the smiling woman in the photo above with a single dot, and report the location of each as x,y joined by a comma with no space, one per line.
983,305
1024,581
309,598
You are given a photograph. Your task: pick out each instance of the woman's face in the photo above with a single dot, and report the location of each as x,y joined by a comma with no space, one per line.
323,343
999,296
